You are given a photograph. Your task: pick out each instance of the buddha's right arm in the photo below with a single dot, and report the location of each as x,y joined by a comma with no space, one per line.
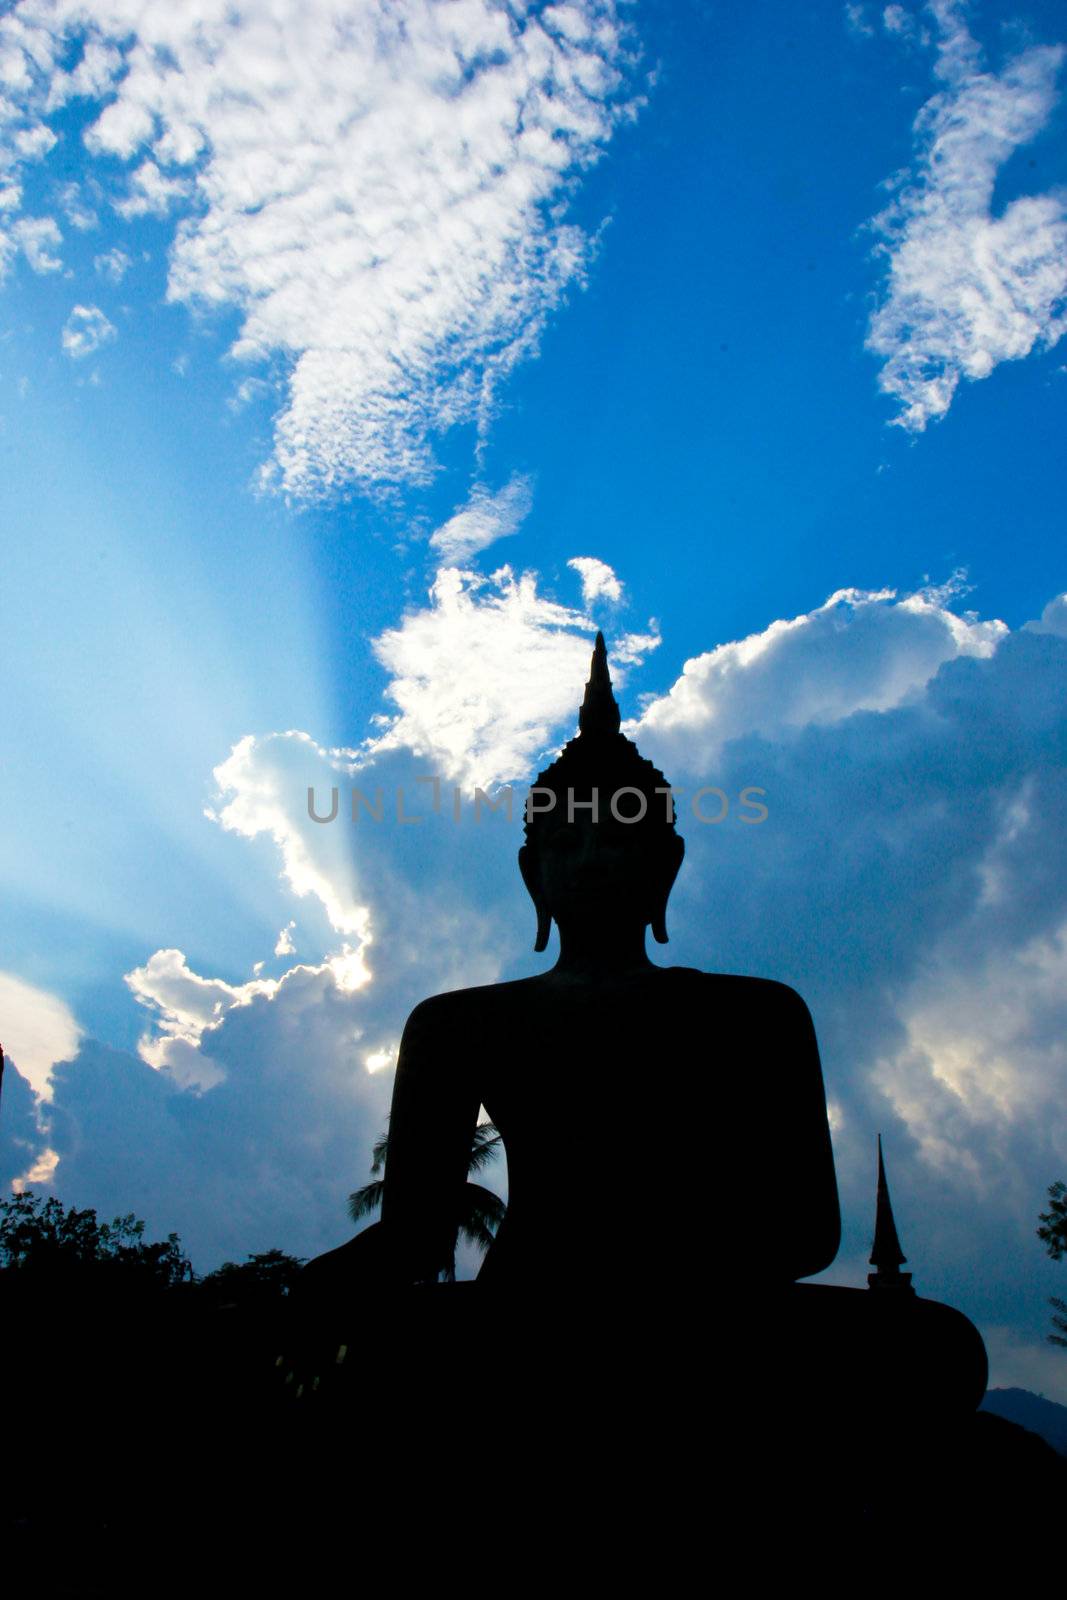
431,1125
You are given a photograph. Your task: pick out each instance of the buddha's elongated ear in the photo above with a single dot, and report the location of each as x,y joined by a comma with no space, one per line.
673,856
532,879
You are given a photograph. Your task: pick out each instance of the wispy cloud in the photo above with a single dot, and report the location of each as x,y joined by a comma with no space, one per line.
378,190
966,288
485,518
112,265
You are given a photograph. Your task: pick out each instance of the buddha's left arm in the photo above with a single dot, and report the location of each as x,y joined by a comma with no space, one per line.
805,1158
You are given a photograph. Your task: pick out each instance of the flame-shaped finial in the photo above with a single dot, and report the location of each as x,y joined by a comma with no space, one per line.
599,714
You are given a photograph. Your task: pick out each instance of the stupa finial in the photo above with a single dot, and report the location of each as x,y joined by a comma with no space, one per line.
886,1257
599,714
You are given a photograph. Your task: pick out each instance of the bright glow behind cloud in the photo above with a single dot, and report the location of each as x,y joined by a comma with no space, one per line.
38,1030
258,797
375,187
968,289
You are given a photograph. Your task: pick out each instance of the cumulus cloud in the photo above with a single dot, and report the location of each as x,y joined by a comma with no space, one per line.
38,1030
860,650
263,1157
377,190
85,332
968,288
984,1048
598,579
185,1006
285,945
485,518
189,1010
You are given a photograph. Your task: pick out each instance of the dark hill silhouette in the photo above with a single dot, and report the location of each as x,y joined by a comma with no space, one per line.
1047,1418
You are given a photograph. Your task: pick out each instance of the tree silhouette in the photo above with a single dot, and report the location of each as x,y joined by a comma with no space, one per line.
481,1211
265,1277
1053,1234
40,1238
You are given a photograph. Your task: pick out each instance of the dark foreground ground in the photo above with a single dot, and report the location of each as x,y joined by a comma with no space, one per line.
159,1447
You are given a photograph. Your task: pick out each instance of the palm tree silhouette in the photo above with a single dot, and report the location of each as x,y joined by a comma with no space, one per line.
481,1211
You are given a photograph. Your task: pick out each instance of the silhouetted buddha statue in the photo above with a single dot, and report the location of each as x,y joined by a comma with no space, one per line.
659,1122
638,1315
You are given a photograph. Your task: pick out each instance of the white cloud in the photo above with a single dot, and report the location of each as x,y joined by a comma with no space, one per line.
85,332
896,20
598,580
112,265
38,237
40,1172
485,518
630,649
38,1030
1053,619
483,676
968,289
860,650
377,190
285,945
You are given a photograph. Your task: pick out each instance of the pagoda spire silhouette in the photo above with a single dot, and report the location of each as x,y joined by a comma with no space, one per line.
599,714
886,1256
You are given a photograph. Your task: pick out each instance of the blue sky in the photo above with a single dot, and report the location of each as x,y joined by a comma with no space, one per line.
331,338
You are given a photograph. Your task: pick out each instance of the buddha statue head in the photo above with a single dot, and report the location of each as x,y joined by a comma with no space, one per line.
601,848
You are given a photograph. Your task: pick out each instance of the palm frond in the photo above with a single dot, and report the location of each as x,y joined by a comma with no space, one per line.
365,1201
481,1202
483,1212
380,1152
485,1147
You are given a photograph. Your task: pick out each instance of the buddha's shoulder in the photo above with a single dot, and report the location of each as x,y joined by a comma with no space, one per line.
462,1007
456,1006
736,987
